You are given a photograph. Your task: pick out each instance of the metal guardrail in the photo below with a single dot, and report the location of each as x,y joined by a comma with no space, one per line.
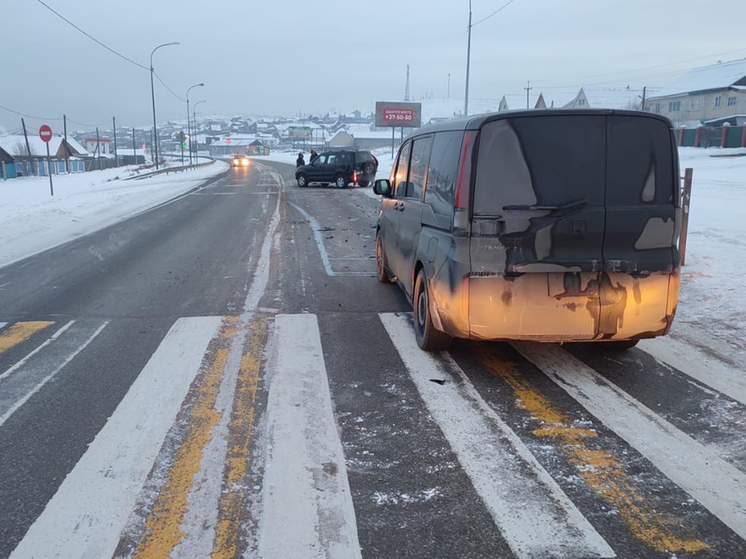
168,170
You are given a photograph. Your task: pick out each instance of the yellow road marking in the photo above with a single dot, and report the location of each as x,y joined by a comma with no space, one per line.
600,469
19,333
163,527
240,428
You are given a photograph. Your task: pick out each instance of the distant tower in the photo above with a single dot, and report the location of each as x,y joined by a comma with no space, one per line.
406,89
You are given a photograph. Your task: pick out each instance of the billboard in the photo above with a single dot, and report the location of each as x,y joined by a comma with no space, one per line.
408,115
299,132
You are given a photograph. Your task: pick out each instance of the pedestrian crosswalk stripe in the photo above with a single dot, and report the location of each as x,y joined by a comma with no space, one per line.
307,505
19,333
29,384
600,469
163,532
534,515
86,515
711,372
717,485
240,433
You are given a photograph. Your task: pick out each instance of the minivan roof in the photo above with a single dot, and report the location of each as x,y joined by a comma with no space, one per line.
475,122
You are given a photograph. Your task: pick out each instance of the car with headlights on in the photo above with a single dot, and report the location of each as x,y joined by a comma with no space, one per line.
240,161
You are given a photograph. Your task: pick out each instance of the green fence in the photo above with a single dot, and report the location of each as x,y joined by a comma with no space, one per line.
689,136
733,138
712,137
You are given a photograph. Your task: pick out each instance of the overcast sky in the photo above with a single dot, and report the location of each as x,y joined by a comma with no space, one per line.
279,57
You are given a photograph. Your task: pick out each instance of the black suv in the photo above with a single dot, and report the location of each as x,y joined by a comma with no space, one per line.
339,168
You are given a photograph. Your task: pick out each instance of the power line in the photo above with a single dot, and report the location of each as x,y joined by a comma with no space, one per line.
120,55
171,91
501,8
28,116
89,125
653,67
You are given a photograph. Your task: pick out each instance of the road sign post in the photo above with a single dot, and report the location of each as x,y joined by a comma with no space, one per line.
45,133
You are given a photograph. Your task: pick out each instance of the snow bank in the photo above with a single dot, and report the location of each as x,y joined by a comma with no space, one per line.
32,221
712,309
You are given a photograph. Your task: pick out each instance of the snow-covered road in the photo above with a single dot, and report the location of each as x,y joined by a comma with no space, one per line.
32,221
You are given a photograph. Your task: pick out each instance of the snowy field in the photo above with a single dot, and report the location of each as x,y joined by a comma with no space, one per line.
32,221
712,309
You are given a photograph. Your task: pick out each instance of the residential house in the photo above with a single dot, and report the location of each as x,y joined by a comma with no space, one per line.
62,153
711,95
98,146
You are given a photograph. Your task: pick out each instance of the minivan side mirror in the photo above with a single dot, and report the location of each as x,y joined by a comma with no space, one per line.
382,187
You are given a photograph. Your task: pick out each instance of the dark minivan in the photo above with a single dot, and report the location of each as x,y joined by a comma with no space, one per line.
552,226
339,168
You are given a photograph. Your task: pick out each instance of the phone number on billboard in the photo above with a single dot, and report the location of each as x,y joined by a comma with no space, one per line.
397,116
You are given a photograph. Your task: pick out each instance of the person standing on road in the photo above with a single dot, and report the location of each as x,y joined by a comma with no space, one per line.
314,155
300,161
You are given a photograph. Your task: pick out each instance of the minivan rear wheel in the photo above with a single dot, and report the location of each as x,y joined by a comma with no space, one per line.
302,181
428,337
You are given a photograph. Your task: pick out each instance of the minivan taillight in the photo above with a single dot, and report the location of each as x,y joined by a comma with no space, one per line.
463,184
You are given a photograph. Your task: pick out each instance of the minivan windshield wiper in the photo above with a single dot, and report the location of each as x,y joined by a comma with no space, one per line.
569,206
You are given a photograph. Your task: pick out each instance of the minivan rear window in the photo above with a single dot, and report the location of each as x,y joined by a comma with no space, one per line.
441,175
548,160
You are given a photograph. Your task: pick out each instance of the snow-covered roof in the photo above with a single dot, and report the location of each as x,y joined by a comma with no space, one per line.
715,76
37,146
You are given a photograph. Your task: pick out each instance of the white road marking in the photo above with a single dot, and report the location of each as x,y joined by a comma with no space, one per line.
705,369
308,509
719,486
86,515
46,378
37,350
532,512
261,272
319,239
2,325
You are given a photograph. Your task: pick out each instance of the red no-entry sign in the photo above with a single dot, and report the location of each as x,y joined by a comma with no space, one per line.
45,133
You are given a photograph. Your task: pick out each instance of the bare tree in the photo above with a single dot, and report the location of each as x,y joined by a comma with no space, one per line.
634,104
20,149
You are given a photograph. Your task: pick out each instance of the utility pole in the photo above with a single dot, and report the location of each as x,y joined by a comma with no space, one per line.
67,148
644,90
116,153
449,85
406,88
468,61
28,147
528,88
134,148
189,129
98,149
196,131
152,95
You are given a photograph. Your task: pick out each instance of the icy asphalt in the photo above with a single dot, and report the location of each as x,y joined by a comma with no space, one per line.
156,373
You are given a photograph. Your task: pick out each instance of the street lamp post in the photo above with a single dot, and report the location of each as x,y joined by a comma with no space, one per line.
194,125
468,60
189,128
152,95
